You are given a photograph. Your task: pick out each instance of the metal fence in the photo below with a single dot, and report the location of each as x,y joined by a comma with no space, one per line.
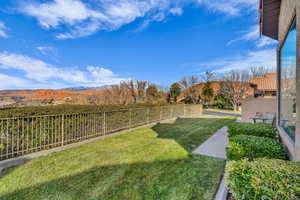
24,135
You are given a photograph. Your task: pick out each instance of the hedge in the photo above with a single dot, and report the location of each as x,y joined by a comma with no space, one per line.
244,146
266,179
261,130
68,109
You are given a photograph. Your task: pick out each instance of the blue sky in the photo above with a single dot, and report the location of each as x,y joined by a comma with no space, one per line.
64,43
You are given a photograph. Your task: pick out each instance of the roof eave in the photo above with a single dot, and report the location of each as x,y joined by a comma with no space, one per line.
269,17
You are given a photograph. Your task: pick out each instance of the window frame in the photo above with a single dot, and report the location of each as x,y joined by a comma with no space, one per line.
292,23
289,144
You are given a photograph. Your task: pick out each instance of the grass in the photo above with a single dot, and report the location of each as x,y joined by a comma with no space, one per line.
148,163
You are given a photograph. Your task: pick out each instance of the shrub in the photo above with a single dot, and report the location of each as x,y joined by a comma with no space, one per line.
262,130
263,178
244,146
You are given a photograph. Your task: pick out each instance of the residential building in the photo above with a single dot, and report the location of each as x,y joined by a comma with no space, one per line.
264,86
280,20
263,100
216,86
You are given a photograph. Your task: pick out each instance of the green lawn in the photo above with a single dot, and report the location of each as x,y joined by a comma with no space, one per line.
148,163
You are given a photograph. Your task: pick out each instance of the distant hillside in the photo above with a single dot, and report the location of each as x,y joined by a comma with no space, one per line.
80,88
48,93
45,96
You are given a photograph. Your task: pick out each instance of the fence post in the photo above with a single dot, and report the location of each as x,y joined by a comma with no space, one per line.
148,115
62,130
104,123
160,113
130,120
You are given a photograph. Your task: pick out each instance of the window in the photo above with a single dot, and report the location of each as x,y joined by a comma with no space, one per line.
288,83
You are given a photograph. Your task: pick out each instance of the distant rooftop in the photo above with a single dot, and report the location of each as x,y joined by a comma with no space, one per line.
265,83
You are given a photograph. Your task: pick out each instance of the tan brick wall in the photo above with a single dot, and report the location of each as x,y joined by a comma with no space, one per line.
252,105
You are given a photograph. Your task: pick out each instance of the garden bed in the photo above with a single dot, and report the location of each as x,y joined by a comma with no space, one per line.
258,169
264,179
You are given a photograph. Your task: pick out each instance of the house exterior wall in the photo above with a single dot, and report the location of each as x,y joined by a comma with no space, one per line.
251,106
288,10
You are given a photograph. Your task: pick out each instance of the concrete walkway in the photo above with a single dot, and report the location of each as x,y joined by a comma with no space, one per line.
221,113
215,146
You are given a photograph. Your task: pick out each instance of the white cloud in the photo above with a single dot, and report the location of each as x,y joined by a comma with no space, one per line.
176,11
265,41
45,50
102,75
9,82
3,30
159,17
230,7
266,57
58,12
42,73
83,18
253,34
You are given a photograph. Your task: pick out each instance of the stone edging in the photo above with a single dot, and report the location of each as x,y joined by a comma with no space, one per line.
222,190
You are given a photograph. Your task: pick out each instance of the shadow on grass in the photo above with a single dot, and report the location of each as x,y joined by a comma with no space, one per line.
192,178
11,165
190,132
185,177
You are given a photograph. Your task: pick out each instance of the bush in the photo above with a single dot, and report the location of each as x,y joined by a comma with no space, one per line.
261,130
244,146
263,178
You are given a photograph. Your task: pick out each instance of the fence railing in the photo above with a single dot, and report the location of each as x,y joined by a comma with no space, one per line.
24,135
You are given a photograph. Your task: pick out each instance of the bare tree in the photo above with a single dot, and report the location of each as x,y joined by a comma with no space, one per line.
131,86
94,99
259,71
152,93
137,90
184,83
162,94
134,91
190,92
207,93
207,77
235,86
118,94
141,90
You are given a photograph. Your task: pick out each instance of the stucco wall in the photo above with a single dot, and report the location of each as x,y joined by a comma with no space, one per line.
252,105
287,12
